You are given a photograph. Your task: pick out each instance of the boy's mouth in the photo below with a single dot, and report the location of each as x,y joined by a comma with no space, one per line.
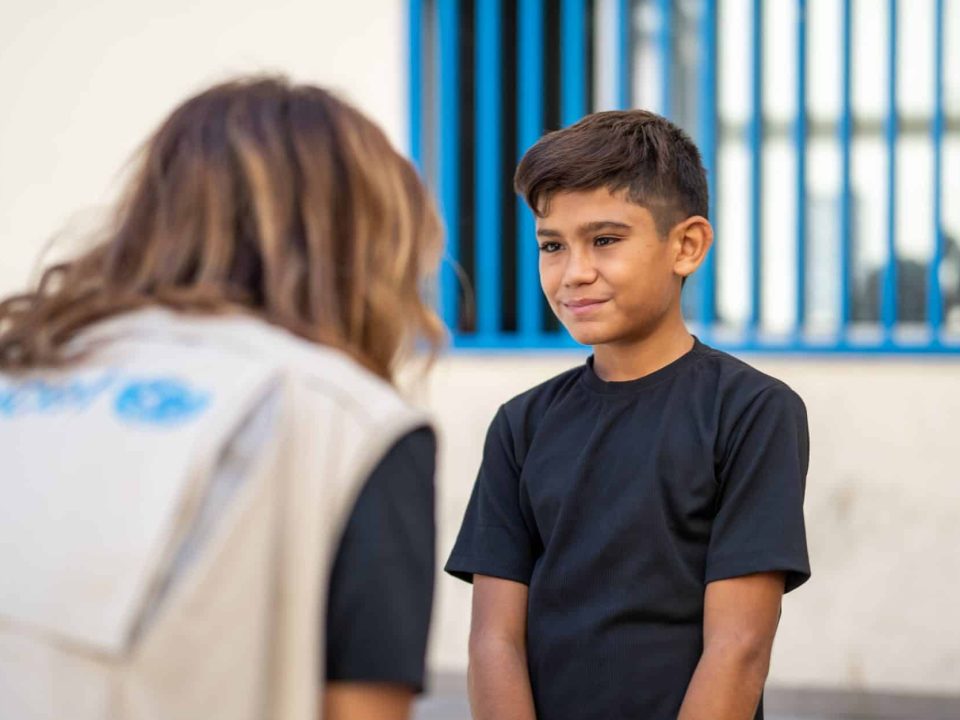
583,306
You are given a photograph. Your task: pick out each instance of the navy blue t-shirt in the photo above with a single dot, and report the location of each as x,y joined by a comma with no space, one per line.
617,502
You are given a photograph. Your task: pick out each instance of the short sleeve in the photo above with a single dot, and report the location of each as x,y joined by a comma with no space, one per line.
381,586
494,538
759,524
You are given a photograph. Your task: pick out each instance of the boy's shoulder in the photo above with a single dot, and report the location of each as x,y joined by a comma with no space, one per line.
736,378
533,403
737,394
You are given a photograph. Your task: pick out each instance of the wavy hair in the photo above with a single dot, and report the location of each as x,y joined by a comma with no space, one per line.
258,196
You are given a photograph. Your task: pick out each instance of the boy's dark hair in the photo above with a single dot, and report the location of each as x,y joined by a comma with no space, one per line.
634,150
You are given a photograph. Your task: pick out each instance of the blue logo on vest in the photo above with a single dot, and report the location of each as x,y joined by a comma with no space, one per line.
164,401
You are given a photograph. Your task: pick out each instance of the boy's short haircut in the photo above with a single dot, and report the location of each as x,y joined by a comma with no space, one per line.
641,152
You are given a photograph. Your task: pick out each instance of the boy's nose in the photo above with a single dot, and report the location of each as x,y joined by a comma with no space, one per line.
579,270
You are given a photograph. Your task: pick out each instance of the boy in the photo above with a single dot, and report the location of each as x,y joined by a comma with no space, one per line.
637,519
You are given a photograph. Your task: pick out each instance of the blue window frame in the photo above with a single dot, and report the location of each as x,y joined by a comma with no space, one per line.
489,77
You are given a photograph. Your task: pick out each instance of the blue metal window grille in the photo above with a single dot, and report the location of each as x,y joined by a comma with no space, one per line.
489,77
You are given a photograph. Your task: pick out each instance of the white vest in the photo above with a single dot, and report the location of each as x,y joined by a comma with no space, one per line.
170,507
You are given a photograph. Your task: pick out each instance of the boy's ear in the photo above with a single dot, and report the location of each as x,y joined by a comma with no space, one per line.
692,239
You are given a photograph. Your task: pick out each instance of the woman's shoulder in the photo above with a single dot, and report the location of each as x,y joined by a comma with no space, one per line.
311,368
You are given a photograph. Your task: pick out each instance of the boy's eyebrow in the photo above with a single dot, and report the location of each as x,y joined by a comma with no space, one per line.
586,228
547,232
601,225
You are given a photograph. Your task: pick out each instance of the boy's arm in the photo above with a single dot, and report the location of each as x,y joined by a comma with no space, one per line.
739,622
498,678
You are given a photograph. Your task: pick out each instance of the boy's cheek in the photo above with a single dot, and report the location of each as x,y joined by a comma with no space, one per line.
548,284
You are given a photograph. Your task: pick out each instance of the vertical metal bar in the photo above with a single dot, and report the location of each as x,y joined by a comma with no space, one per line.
487,165
800,130
607,61
624,63
934,295
665,48
529,128
448,119
414,80
756,167
846,192
573,97
708,148
888,303
572,61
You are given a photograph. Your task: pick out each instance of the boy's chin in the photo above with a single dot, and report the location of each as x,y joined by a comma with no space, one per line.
586,335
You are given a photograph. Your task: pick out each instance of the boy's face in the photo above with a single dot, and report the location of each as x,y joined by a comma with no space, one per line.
605,270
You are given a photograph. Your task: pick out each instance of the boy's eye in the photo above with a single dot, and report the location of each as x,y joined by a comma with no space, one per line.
605,240
549,247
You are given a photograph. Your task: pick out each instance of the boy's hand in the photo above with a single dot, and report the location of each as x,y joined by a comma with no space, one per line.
498,677
739,622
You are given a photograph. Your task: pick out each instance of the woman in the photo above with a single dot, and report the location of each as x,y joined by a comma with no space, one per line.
215,502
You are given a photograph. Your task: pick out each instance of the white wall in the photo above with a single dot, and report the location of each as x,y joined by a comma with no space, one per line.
84,83
882,509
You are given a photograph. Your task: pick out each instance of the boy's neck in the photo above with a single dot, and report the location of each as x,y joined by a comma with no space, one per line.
618,362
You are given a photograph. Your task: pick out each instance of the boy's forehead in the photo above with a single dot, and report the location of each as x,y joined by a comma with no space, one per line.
584,206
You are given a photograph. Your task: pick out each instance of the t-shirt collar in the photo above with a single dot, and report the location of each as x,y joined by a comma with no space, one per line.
620,387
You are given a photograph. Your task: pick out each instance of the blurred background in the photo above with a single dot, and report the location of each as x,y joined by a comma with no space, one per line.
831,134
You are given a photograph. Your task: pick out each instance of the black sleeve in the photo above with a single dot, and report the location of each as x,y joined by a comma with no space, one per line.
759,522
494,538
381,587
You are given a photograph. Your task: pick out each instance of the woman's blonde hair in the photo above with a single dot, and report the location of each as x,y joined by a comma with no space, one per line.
259,195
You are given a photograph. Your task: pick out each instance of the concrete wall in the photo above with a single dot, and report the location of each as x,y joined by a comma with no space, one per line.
882,508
